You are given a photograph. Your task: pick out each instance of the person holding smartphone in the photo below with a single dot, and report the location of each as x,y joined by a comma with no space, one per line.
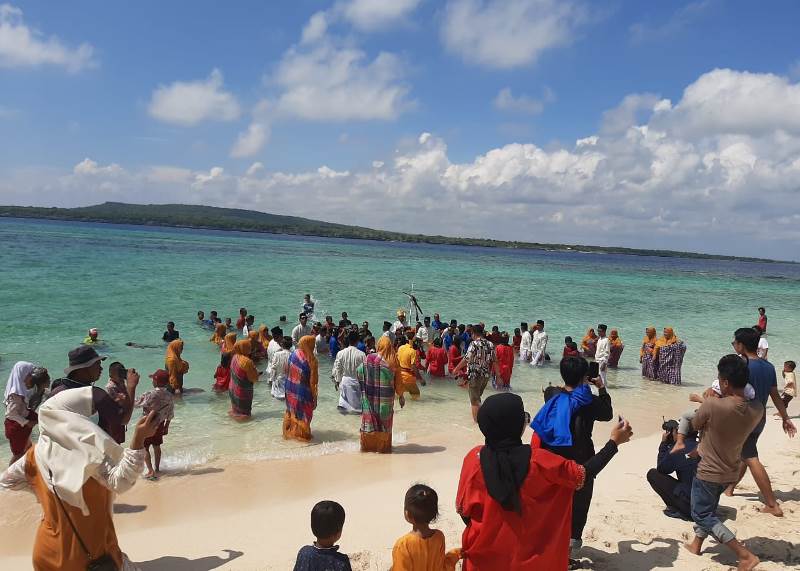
578,446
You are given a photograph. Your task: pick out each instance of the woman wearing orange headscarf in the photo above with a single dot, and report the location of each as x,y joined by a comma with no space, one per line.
228,343
219,334
589,343
243,375
301,388
615,346
264,337
175,366
256,348
646,354
380,385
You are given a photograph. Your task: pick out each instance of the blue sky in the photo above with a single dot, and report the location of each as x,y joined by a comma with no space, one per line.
463,115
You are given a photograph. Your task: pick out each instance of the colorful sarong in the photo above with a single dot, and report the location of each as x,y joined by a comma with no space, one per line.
241,391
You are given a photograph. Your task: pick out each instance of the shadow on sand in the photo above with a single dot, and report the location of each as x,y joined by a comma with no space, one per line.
657,553
172,563
417,449
128,509
765,548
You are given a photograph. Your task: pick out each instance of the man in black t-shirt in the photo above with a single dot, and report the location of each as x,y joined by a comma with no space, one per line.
171,333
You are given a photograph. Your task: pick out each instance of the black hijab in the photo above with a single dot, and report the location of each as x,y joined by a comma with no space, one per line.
504,460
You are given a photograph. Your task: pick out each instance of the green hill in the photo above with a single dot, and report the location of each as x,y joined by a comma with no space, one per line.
211,217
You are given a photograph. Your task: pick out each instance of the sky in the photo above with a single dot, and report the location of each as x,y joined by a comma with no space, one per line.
671,125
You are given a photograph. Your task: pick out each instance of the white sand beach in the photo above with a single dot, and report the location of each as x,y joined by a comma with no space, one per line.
255,516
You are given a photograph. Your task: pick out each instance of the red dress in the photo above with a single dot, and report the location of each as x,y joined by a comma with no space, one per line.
436,360
222,379
505,358
535,540
516,342
454,358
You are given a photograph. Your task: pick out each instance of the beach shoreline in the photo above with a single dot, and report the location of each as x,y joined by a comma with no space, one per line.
259,510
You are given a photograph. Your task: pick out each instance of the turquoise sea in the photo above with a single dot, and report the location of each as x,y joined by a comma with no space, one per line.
58,279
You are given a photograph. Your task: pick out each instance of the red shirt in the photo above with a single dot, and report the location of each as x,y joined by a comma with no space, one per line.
240,322
436,359
535,540
568,352
762,322
516,342
505,358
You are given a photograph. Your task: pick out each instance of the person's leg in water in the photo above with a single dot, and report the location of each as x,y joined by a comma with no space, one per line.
157,454
148,463
705,500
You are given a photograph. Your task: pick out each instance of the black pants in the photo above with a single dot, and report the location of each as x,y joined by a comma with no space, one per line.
664,486
580,508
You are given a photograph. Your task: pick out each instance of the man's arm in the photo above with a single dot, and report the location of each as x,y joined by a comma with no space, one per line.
336,374
788,425
130,383
703,414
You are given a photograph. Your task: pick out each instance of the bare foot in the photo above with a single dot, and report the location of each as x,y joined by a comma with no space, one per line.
729,491
748,563
774,510
692,548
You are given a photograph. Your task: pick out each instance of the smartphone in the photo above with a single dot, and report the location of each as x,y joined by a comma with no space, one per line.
594,370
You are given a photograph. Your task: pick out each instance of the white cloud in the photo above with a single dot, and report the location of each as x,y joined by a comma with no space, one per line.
506,101
251,141
168,174
329,82
508,33
89,167
374,14
651,177
22,46
316,28
188,103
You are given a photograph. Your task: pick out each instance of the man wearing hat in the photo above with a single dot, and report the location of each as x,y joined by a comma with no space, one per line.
85,367
400,324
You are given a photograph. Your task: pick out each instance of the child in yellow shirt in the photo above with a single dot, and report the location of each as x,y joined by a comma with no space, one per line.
423,548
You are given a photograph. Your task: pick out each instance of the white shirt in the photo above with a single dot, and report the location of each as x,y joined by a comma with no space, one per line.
321,345
398,326
245,330
763,345
301,330
347,362
279,365
272,348
423,334
525,343
603,350
539,342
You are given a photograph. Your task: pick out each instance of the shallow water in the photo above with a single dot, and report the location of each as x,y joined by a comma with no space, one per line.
61,278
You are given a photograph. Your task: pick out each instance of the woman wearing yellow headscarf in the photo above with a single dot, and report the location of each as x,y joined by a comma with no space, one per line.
589,343
219,334
243,375
668,357
256,348
228,343
175,366
615,348
264,337
380,385
646,353
301,388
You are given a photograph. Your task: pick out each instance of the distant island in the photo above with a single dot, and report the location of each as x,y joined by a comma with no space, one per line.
214,218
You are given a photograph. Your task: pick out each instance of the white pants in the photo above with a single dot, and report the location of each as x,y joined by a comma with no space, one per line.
603,372
277,389
350,395
538,359
524,355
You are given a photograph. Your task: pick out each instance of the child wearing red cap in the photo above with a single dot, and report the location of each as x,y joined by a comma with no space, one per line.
161,401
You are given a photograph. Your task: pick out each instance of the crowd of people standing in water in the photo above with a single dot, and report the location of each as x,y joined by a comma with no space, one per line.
506,486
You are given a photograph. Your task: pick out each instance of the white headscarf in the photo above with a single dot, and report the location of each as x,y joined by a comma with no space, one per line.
71,446
16,380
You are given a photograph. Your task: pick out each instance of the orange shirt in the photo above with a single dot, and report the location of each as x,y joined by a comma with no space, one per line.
407,357
415,553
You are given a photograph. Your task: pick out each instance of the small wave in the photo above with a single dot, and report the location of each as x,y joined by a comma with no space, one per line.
309,451
186,460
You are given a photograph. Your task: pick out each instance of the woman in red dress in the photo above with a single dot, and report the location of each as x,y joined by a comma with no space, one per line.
505,358
516,499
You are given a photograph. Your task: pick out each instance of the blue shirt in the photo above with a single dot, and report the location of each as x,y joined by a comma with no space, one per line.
685,468
333,346
447,340
312,558
467,339
763,378
361,347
